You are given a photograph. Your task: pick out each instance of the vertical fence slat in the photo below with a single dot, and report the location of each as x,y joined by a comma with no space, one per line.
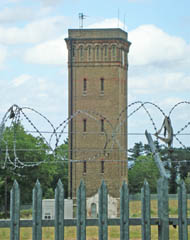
37,212
145,211
124,212
103,212
15,212
81,212
59,211
163,211
182,212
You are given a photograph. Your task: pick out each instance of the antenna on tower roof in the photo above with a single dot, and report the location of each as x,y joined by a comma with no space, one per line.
81,18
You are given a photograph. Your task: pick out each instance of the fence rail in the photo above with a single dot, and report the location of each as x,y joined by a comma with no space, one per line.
81,222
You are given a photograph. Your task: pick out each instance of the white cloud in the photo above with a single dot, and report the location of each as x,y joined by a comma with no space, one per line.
51,2
151,45
34,32
50,52
33,91
108,23
18,81
16,14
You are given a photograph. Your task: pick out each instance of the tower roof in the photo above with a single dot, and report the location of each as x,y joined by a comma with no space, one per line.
99,33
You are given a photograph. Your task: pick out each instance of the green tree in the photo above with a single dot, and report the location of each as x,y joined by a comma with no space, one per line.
44,166
144,168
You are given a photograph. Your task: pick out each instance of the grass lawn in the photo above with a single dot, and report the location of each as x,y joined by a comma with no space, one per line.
113,231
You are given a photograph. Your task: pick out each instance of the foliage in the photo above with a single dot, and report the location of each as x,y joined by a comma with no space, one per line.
34,150
175,160
144,168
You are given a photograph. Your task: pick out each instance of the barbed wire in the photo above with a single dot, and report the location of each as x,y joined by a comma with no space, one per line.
110,137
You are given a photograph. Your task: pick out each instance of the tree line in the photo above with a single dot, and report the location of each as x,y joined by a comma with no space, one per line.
30,149
175,160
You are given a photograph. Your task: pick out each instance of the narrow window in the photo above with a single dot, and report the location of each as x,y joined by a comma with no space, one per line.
102,166
84,125
102,125
89,51
81,52
102,84
73,52
84,166
97,52
84,84
106,51
113,51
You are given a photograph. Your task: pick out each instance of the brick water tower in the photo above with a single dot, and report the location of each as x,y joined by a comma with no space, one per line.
98,85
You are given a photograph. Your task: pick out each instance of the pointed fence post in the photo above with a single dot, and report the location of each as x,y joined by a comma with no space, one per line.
59,211
145,211
124,212
81,212
182,212
37,212
163,211
103,212
15,212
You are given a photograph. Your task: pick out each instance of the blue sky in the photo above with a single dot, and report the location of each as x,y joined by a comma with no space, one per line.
33,54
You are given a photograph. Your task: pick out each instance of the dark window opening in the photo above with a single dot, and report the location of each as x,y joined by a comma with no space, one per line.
102,84
106,51
81,52
113,51
73,51
102,166
84,167
102,125
84,85
97,52
84,125
89,51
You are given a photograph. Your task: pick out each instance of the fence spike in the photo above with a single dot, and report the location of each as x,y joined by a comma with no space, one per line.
81,212
124,212
182,211
163,210
145,211
15,212
37,212
59,211
103,212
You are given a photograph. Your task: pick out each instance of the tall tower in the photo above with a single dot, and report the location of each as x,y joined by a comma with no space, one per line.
98,63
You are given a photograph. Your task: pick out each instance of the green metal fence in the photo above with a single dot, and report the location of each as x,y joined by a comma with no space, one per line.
81,222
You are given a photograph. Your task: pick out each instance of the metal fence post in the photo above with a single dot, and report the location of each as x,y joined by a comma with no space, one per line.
103,212
37,212
124,212
59,211
182,212
163,211
15,212
145,211
81,212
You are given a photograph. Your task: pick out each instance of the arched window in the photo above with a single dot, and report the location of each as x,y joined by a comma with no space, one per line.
113,51
89,51
97,51
81,51
105,51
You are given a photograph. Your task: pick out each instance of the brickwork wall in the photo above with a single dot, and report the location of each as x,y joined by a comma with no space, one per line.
95,55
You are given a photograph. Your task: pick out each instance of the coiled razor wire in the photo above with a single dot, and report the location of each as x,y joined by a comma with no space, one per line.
15,112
